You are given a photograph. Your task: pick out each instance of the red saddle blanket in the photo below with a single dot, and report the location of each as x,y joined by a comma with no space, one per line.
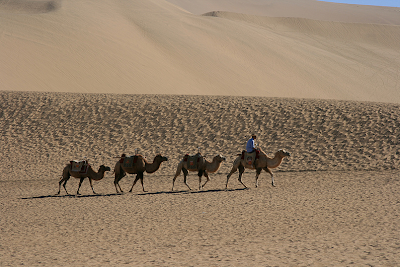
250,157
79,166
192,161
128,162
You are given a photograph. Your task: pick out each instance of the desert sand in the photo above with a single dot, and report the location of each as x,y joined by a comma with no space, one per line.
157,47
336,200
96,79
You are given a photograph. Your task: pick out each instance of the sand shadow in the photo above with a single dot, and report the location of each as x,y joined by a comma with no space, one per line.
71,196
191,192
138,194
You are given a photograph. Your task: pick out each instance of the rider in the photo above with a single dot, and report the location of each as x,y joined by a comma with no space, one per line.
251,144
251,147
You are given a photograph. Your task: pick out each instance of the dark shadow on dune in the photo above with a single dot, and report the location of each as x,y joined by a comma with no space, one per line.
24,6
139,194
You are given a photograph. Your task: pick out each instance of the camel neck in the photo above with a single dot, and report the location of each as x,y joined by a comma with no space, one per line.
212,166
152,167
275,162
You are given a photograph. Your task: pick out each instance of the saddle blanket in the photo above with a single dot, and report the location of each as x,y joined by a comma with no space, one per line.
250,157
79,166
130,161
192,161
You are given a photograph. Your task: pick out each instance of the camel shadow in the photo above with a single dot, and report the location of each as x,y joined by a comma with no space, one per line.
138,194
71,196
190,192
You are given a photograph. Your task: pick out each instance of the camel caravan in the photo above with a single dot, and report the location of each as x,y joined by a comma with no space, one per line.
252,158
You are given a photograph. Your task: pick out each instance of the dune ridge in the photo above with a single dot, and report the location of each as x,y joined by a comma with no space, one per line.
372,34
309,9
154,47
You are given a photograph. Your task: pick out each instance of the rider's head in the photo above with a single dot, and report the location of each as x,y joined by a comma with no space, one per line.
253,136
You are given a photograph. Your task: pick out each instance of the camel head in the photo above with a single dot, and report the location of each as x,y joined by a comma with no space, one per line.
219,158
282,153
160,158
104,168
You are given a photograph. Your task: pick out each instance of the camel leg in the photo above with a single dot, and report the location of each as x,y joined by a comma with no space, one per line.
178,172
119,173
241,171
272,176
65,177
138,176
80,183
91,185
185,174
258,171
59,186
63,180
200,174
134,182
116,188
65,188
173,181
120,189
208,178
234,169
141,181
116,183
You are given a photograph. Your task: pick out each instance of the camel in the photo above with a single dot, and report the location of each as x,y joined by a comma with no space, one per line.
204,167
262,163
91,174
139,167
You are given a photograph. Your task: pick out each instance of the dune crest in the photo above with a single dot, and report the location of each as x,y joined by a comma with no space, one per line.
375,34
308,9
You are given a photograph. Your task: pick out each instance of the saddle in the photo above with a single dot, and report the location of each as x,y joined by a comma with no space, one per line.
79,166
128,162
250,157
193,161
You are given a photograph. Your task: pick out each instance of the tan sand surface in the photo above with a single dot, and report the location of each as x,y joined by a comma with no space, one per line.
158,47
336,202
310,9
100,78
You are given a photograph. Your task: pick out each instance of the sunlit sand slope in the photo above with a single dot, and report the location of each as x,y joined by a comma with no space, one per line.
309,9
154,47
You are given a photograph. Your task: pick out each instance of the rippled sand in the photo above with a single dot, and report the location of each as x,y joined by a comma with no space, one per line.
336,200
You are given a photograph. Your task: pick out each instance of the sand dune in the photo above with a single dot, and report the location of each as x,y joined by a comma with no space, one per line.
335,204
154,47
308,9
100,78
